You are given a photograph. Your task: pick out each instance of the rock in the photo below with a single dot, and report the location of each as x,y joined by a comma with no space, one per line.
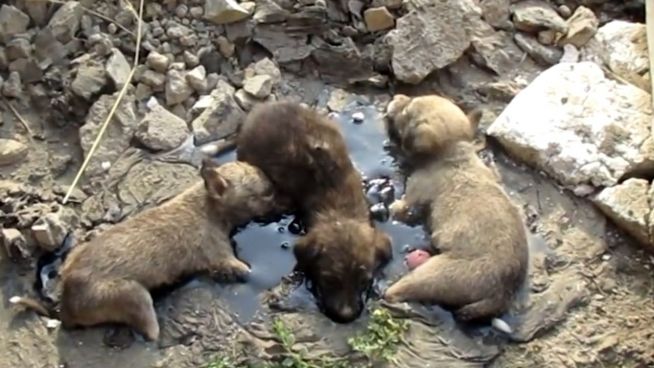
12,21
259,86
534,16
117,136
18,48
268,11
66,21
225,47
11,151
245,100
153,79
378,19
90,79
118,68
622,47
197,78
284,47
547,55
161,130
570,54
191,59
224,11
497,13
15,244
221,119
13,87
628,205
38,11
582,26
268,67
390,4
50,230
579,126
427,39
178,89
496,51
158,62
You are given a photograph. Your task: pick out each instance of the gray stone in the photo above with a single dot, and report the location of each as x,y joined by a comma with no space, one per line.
628,205
158,62
378,19
197,78
50,230
390,4
221,119
156,81
285,47
225,47
66,21
161,130
245,100
582,26
12,21
15,244
622,47
546,55
259,86
37,10
117,136
13,87
536,15
224,11
90,79
11,152
18,48
178,89
268,11
497,13
429,38
118,68
579,126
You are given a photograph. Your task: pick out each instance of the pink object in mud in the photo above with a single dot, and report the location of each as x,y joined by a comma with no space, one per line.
415,258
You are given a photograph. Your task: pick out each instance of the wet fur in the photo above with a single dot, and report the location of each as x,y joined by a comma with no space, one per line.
305,155
107,280
476,229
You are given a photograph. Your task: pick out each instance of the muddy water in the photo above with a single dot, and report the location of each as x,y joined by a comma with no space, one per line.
267,247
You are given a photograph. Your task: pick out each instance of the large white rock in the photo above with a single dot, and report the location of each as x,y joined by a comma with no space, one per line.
578,126
622,47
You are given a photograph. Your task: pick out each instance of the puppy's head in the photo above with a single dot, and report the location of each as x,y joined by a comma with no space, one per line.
339,260
427,124
240,187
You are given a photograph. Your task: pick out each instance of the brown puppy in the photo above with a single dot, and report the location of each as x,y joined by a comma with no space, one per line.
305,156
107,279
477,230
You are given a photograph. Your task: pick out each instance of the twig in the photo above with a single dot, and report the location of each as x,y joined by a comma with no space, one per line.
139,29
97,14
20,118
649,19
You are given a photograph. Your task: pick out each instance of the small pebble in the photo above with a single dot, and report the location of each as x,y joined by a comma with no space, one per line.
606,257
281,230
106,165
285,245
379,212
358,117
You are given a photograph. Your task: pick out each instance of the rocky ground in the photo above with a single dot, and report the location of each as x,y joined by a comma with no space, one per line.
565,90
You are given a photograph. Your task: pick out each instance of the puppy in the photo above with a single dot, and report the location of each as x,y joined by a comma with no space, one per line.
107,280
478,232
304,154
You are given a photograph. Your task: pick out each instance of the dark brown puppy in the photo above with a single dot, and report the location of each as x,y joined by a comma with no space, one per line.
305,155
478,232
107,279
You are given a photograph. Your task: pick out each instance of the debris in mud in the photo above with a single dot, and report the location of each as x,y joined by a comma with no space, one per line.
11,151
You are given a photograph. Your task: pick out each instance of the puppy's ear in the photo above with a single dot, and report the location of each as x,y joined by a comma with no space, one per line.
421,139
383,248
474,117
215,183
306,251
397,104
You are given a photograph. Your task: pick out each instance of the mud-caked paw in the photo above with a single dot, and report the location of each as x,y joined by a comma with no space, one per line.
232,270
399,210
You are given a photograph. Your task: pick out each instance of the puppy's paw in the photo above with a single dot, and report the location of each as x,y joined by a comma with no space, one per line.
399,210
232,270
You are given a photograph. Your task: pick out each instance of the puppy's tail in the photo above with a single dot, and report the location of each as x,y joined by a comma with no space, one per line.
32,304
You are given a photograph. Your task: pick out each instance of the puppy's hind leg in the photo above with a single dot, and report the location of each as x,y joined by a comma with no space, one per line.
115,301
481,310
230,269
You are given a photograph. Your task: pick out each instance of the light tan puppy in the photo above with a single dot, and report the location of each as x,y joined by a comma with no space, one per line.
478,233
107,280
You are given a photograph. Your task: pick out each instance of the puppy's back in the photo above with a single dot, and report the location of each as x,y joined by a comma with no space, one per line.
297,148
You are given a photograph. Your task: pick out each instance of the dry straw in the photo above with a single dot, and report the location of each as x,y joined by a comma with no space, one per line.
123,90
649,19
